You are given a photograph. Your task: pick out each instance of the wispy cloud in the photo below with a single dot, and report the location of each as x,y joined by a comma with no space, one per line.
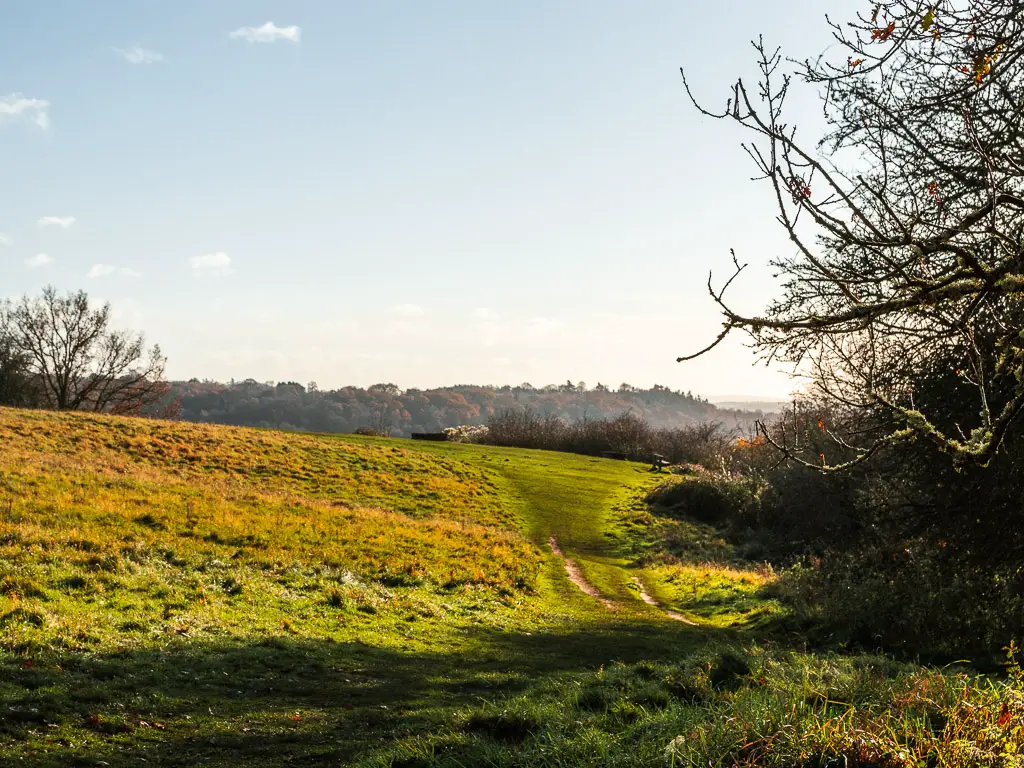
268,33
18,107
39,260
409,310
56,221
102,270
139,55
4,239
218,263
486,314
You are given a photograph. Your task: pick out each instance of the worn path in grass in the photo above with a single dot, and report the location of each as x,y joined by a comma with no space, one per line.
568,506
571,502
187,594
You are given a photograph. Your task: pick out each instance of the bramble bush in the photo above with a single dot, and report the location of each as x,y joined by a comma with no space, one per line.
628,435
903,553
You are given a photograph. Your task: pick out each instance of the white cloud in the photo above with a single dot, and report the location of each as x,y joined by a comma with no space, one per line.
39,260
102,270
56,221
268,33
487,315
18,107
218,263
139,55
409,310
4,239
99,270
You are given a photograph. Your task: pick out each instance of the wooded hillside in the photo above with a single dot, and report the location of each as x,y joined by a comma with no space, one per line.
389,409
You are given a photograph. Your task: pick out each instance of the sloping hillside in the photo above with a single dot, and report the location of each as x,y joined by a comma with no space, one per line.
168,584
177,594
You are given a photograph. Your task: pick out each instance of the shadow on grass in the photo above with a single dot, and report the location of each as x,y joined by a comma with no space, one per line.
285,700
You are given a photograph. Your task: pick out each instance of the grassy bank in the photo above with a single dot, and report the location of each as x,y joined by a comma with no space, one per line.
180,594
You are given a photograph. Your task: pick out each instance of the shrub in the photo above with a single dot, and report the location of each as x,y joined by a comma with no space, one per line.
708,498
626,435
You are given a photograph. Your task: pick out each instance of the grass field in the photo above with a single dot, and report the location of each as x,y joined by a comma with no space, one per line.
181,594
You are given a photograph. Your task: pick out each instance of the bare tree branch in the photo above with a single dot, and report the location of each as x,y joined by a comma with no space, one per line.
77,361
912,251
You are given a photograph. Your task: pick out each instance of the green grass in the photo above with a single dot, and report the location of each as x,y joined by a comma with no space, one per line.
733,706
186,594
713,594
178,590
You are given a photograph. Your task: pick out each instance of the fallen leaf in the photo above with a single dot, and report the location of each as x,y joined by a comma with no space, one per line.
1004,716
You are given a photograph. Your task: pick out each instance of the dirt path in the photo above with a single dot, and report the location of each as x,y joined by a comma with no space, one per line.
577,578
651,601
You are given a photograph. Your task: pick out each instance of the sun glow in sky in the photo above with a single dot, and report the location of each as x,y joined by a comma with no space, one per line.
426,193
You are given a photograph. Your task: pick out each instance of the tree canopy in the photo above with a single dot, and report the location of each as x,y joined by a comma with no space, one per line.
59,352
906,218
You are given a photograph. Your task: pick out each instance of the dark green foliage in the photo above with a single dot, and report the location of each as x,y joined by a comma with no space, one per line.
708,498
74,583
17,386
728,671
505,726
21,587
905,552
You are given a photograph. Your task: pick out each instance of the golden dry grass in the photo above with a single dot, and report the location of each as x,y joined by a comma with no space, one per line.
110,485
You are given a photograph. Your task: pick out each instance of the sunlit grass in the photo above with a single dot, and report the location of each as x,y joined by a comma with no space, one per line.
182,594
713,594
214,580
357,472
181,493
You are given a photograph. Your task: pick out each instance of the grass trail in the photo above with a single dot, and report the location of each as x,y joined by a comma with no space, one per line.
183,593
574,500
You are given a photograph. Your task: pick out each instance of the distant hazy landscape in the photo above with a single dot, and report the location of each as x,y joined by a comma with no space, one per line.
391,410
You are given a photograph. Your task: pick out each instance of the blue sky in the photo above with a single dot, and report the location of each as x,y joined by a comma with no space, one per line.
426,193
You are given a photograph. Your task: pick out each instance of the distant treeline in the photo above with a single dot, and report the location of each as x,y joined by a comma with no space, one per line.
390,410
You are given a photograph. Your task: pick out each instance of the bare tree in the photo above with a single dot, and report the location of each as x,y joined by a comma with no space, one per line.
906,219
77,361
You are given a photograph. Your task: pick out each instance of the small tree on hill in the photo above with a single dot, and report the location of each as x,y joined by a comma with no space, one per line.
17,387
75,361
907,219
